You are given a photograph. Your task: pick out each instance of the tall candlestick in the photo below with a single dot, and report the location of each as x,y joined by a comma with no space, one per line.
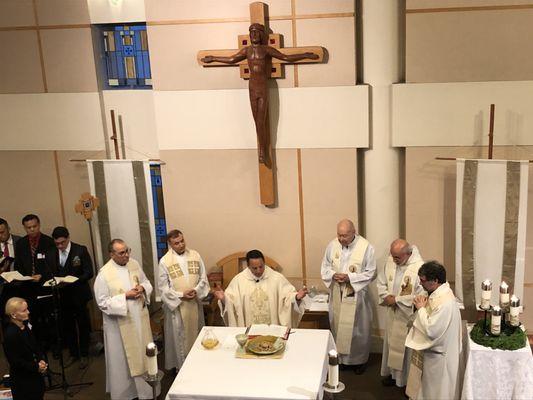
514,311
333,369
151,357
486,291
496,321
504,295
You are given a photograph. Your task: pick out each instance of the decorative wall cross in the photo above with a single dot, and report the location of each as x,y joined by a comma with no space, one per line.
260,57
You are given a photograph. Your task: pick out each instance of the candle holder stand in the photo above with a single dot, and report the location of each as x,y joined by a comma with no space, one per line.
486,326
331,389
153,381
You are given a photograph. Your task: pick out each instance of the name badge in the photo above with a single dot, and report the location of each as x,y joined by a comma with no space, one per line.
40,256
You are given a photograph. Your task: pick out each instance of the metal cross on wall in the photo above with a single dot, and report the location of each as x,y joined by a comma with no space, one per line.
260,57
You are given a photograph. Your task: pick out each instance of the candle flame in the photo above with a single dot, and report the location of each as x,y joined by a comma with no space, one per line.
496,308
487,282
504,285
333,353
514,298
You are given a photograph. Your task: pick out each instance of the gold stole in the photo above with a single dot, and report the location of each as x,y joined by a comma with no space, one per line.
188,309
344,298
414,380
396,319
135,354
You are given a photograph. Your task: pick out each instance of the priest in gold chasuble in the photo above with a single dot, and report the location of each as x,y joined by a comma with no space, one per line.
183,284
260,295
347,269
397,284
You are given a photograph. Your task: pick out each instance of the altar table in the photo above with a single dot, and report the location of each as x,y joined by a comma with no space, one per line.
217,374
497,374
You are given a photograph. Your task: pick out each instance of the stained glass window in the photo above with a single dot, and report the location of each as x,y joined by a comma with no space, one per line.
127,60
159,210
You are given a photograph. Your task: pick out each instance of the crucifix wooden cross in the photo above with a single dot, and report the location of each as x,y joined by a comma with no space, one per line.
259,57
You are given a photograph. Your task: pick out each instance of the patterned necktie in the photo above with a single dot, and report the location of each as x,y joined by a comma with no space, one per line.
63,258
6,250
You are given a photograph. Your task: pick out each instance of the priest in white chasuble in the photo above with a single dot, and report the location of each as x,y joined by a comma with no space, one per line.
435,338
260,295
122,292
347,269
397,284
183,284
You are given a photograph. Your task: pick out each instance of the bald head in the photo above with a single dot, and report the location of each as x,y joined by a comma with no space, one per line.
400,251
345,232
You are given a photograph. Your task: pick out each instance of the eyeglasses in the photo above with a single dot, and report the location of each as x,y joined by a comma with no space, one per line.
123,252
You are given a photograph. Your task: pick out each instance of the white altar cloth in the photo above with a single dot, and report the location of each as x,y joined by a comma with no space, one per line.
217,374
497,374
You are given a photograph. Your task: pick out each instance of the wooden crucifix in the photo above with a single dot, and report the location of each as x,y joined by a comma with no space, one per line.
260,57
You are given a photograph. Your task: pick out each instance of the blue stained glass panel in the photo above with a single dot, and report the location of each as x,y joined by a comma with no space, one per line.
123,41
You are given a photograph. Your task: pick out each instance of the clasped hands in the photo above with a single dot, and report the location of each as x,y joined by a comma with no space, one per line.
340,277
389,300
135,293
189,294
420,301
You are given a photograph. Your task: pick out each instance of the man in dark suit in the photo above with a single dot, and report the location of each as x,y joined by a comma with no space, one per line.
69,258
7,247
31,250
30,254
8,243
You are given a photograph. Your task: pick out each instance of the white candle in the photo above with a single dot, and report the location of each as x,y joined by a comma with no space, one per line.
496,321
486,291
151,356
504,295
514,311
333,369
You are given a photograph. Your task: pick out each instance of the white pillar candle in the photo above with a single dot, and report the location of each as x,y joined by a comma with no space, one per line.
486,292
496,321
504,295
333,369
514,311
151,356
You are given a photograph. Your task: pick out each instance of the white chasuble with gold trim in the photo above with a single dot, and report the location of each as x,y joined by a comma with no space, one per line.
403,283
183,318
350,305
269,299
126,328
436,336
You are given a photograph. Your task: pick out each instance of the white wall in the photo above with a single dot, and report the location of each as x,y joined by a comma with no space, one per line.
136,107
457,114
116,11
332,117
51,121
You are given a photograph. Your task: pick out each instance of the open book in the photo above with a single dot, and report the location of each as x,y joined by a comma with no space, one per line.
274,330
61,279
11,276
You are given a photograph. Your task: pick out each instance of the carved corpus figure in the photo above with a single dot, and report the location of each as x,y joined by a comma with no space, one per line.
259,57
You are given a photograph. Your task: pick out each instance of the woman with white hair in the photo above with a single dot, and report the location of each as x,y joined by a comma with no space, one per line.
23,354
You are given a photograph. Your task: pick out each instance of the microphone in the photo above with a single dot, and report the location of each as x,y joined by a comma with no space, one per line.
136,279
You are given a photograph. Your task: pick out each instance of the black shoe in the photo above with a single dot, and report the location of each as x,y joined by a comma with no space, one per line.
388,381
359,369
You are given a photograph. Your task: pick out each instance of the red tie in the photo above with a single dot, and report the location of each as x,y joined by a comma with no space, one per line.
6,249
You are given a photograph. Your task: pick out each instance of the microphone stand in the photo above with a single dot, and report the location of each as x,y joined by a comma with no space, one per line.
64,385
